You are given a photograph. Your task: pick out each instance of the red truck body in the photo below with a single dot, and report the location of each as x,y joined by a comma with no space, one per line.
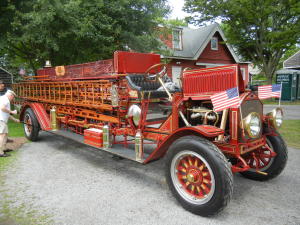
134,116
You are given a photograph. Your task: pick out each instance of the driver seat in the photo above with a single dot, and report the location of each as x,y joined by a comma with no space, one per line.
138,82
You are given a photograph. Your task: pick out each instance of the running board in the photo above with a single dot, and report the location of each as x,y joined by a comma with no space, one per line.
116,149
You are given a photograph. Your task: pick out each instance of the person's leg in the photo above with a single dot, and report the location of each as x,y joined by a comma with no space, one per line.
2,143
3,138
5,142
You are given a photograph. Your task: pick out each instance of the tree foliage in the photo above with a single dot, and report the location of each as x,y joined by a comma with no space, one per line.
76,31
261,30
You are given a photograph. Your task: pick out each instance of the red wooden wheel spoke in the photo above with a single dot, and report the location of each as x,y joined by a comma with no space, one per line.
205,188
260,159
194,176
181,169
262,155
186,185
184,163
264,161
196,162
199,191
201,166
182,177
28,124
190,160
251,162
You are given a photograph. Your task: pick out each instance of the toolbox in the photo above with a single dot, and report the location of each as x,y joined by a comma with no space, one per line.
94,137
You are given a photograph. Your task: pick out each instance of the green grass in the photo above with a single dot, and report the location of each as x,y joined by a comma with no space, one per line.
272,101
15,129
7,161
291,132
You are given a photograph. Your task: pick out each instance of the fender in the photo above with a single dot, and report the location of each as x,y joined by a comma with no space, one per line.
206,131
40,114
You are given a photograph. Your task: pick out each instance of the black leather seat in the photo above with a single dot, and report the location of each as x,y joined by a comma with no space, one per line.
138,82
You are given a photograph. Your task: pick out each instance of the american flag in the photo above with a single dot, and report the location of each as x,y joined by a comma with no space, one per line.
225,99
269,91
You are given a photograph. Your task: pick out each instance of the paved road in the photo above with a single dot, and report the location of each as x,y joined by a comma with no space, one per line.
290,112
79,185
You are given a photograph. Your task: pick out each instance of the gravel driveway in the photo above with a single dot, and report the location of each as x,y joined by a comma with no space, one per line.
78,185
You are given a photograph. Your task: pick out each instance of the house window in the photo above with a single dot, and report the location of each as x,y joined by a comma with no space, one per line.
177,39
214,43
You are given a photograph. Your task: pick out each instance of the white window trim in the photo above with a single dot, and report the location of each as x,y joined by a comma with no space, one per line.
211,43
180,39
243,71
210,64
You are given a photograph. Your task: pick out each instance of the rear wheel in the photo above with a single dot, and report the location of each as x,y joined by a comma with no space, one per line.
272,166
199,175
31,125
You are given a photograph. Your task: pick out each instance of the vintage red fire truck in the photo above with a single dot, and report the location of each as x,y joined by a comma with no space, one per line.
122,106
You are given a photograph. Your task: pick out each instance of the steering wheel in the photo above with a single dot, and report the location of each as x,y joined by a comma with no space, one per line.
160,74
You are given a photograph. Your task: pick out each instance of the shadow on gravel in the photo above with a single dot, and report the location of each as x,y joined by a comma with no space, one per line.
107,161
133,170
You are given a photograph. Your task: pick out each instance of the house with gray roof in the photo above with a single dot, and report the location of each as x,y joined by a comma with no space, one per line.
292,62
200,48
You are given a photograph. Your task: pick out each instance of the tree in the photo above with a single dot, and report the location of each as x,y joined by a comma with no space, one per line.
76,31
261,30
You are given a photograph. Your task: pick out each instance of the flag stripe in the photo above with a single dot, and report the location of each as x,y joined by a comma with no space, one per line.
269,91
225,99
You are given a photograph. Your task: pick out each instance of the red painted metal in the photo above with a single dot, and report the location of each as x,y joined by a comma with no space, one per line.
123,62
93,137
203,130
241,166
85,70
133,62
41,115
202,83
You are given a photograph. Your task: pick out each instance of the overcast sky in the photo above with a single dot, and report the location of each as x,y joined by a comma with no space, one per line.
176,6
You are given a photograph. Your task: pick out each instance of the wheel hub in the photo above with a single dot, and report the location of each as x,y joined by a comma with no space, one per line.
194,176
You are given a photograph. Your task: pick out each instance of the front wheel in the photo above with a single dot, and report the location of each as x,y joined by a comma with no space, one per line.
199,175
272,166
31,125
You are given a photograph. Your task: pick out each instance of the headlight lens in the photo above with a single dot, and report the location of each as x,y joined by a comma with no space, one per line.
252,124
276,117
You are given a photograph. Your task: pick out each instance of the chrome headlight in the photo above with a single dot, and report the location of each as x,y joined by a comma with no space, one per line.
135,111
276,117
252,124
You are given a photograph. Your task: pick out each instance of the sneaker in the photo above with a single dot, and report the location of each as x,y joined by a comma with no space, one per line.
5,155
8,150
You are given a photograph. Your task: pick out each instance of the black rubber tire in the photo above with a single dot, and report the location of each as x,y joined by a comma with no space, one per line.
33,136
278,163
220,168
